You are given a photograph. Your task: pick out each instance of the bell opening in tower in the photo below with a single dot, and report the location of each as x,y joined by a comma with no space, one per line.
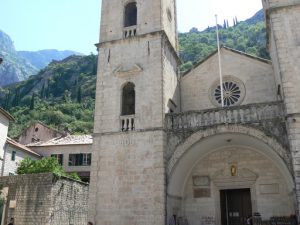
130,15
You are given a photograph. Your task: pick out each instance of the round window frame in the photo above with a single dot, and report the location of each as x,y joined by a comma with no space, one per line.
227,78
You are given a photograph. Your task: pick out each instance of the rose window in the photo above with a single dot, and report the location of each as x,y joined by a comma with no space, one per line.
233,92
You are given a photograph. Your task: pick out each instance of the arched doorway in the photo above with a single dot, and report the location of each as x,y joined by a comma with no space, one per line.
234,162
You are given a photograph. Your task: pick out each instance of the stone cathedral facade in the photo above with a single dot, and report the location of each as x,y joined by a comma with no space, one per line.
164,150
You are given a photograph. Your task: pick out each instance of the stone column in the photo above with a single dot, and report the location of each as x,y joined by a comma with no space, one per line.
283,17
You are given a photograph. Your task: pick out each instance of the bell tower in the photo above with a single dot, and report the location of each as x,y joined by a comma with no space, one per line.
136,86
283,18
124,18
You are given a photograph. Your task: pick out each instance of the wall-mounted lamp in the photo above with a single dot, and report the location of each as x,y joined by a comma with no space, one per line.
233,170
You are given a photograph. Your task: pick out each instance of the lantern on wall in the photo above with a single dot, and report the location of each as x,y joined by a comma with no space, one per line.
233,170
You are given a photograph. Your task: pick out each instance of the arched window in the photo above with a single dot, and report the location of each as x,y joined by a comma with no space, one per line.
130,14
128,100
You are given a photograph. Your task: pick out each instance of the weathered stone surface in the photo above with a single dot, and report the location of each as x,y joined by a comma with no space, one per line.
45,199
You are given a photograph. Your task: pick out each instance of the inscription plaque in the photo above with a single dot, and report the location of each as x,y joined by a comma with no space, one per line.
201,192
201,181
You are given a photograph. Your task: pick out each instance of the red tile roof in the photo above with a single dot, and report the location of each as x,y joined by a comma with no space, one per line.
6,114
21,147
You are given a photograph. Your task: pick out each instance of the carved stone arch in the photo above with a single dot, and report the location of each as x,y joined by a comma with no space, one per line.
211,138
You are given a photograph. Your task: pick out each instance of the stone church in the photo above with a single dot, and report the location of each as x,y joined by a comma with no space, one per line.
165,150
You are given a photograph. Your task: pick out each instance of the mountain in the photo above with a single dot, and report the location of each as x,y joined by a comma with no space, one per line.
40,59
60,95
258,17
14,68
19,65
63,93
248,36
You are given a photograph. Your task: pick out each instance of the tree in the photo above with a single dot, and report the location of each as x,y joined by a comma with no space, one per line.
67,96
32,101
79,94
42,95
224,25
44,165
16,98
194,30
236,21
186,67
6,101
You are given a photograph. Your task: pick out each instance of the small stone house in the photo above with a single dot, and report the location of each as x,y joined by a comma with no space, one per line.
14,153
73,152
44,199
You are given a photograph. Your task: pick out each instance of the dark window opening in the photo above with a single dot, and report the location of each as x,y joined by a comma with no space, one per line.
130,15
59,157
33,140
128,100
13,156
279,90
80,159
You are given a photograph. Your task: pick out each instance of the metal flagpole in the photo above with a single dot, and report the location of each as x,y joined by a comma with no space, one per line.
220,64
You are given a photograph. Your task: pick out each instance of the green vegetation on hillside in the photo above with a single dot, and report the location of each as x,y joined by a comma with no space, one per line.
61,96
245,36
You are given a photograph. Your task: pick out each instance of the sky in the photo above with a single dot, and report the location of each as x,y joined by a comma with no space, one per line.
74,24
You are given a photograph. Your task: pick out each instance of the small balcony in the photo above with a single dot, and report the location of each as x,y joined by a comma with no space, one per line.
127,123
245,114
129,31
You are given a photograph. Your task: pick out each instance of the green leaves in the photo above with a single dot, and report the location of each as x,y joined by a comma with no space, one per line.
76,117
61,95
44,165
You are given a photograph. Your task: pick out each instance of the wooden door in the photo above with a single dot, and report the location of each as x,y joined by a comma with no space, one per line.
235,206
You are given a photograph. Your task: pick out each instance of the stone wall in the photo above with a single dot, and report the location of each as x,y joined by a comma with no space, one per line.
136,60
44,199
128,179
171,94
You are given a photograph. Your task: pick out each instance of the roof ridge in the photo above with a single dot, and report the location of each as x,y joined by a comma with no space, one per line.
7,114
229,49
